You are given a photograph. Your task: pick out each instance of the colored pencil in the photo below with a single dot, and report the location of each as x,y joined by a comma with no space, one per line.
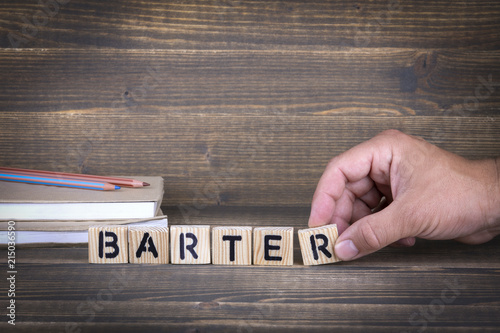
103,179
90,185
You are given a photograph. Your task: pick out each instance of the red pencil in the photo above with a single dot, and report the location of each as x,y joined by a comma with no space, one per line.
64,182
65,175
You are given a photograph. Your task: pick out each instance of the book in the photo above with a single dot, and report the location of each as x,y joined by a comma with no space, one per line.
50,236
67,225
29,202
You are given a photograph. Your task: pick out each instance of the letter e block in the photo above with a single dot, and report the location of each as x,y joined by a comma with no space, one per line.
108,245
232,245
148,245
273,246
316,244
190,244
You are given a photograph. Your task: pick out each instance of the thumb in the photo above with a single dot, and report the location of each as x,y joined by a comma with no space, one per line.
370,234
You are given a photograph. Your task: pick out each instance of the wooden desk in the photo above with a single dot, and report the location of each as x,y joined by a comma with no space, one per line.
449,287
239,105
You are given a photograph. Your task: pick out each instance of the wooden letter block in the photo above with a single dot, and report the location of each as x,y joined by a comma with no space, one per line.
316,244
232,245
190,244
108,244
273,246
148,245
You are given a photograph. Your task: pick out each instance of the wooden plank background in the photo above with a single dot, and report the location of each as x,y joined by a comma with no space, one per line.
239,105
241,102
393,290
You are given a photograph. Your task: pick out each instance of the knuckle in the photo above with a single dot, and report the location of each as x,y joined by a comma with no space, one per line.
370,236
392,132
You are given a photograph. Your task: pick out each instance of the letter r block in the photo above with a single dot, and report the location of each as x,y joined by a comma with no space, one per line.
273,246
108,245
190,244
232,245
316,244
148,245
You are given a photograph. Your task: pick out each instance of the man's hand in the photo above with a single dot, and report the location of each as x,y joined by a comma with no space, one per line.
430,193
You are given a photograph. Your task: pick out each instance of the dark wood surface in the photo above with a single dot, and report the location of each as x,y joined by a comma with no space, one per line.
394,290
239,105
241,102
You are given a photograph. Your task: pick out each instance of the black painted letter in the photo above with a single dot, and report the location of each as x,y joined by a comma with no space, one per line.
113,244
151,246
268,247
190,248
322,247
232,240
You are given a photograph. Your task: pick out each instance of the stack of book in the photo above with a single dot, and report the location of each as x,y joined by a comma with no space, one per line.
45,214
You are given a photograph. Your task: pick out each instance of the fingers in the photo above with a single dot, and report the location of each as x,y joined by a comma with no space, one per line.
371,233
371,198
350,175
430,193
360,210
351,189
479,237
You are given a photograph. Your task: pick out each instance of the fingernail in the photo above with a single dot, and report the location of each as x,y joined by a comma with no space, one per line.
346,250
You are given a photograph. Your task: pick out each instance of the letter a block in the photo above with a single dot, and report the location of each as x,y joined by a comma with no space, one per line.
316,245
148,245
108,245
190,244
273,246
232,245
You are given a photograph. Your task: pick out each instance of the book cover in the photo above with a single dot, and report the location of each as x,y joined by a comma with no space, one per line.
29,202
51,236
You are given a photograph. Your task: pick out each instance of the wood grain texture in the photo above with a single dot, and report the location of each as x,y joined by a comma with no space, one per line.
225,99
236,127
148,245
190,244
242,103
317,245
273,246
380,292
351,81
231,245
222,24
242,160
108,245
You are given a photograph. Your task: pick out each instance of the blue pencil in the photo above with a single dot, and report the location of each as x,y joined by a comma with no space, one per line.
89,185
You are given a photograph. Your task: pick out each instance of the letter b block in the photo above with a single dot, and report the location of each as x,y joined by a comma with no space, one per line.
316,245
148,245
232,245
108,244
190,244
273,246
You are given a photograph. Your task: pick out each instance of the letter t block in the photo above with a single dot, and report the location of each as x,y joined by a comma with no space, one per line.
232,245
273,246
190,244
148,244
108,245
316,244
